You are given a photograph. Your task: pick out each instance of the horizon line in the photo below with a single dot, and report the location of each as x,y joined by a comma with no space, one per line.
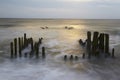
59,18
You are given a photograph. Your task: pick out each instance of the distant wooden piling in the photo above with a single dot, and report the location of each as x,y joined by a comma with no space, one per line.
71,57
20,47
15,47
107,43
88,41
43,52
65,57
101,42
25,40
22,43
95,43
37,50
11,47
32,44
113,53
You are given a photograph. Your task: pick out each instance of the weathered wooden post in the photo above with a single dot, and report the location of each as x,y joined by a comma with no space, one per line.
11,47
101,42
43,52
113,53
95,43
65,57
71,57
25,40
32,44
37,50
15,47
20,47
89,41
107,43
22,43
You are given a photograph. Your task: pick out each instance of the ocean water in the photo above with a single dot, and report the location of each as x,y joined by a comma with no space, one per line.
58,41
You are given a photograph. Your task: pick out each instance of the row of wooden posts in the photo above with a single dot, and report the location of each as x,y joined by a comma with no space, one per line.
21,43
98,45
71,57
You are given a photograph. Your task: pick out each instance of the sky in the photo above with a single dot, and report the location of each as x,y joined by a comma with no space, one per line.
80,9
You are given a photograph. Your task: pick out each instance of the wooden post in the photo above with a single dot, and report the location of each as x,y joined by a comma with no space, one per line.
65,57
107,43
71,57
113,53
31,44
37,50
22,43
95,43
20,55
89,41
43,52
11,47
25,40
15,47
101,42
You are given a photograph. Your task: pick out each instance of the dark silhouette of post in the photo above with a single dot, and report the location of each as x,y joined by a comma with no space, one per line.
11,47
65,57
95,43
37,50
113,53
107,43
43,52
15,47
25,40
71,57
101,42
20,47
89,41
22,43
32,44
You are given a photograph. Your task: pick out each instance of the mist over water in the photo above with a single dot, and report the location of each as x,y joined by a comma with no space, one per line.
58,42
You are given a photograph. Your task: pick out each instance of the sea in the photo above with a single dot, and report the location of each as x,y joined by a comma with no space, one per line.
58,42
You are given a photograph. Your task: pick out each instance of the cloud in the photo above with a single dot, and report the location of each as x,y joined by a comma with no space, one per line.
60,8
